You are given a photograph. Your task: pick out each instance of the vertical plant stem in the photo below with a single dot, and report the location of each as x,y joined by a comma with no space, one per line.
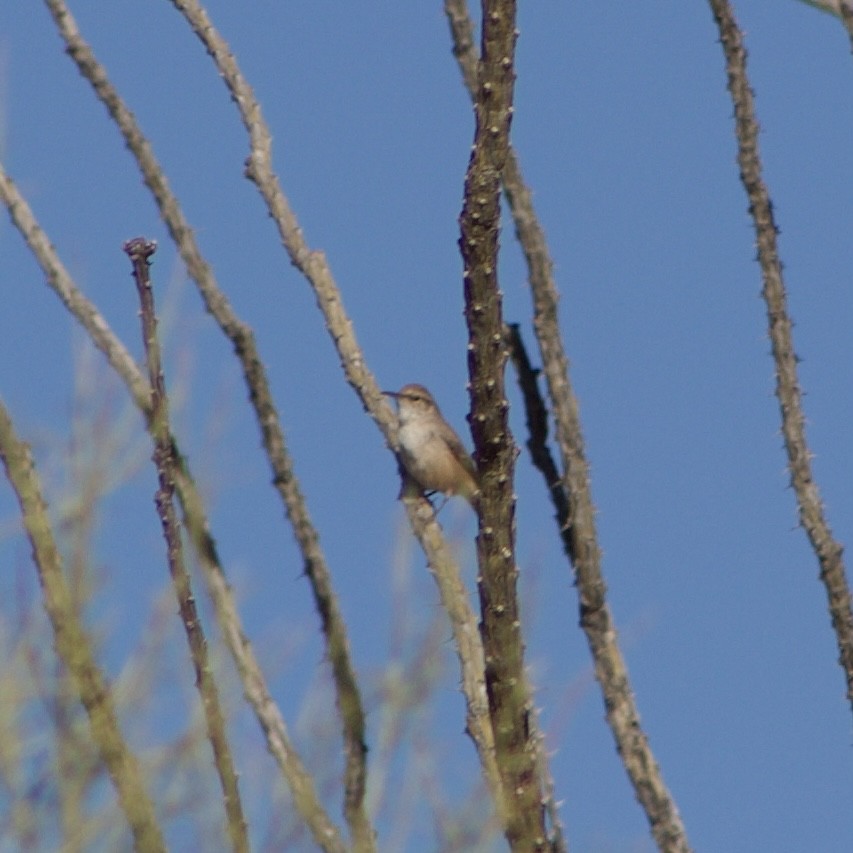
571,494
469,647
827,549
74,647
510,702
139,251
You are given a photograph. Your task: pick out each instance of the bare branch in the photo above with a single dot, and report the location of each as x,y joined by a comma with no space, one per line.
60,281
576,513
312,264
812,517
466,636
284,478
254,683
74,647
537,444
510,700
139,251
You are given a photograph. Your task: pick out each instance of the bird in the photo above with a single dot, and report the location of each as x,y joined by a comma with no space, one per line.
431,452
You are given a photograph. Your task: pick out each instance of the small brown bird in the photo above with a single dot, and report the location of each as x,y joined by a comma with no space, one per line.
432,452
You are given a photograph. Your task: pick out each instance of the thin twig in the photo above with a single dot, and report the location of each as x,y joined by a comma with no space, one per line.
812,516
510,700
578,527
536,414
140,251
537,444
74,647
466,638
255,687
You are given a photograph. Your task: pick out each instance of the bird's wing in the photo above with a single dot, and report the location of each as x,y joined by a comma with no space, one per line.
462,455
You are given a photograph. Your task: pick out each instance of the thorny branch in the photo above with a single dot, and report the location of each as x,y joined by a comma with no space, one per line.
284,478
140,251
254,683
510,698
313,265
828,550
575,510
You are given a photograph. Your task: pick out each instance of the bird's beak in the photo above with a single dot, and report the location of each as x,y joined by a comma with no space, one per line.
390,393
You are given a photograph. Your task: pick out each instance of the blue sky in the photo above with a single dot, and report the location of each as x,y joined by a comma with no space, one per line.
624,132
